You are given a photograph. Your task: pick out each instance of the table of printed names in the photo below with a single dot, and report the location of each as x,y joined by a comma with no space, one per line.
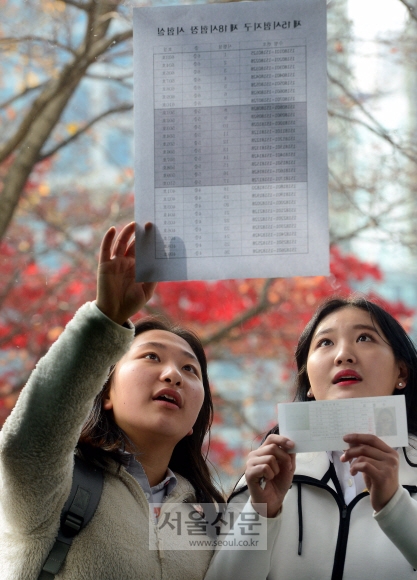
230,154
329,420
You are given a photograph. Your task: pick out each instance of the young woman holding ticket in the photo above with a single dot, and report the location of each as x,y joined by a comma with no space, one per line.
137,400
348,514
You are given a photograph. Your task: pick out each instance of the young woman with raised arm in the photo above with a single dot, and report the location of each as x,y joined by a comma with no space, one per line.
131,399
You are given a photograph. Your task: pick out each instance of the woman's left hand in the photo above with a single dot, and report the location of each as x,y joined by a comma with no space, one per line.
379,464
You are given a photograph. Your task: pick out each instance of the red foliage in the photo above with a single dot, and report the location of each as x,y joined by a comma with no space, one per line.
222,456
207,306
36,303
38,297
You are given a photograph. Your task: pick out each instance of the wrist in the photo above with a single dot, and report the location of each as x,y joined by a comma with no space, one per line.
273,513
112,315
265,509
380,503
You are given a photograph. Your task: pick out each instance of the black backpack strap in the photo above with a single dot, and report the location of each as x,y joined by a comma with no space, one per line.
87,485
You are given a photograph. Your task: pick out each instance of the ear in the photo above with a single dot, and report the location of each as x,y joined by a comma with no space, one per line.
402,375
107,403
190,432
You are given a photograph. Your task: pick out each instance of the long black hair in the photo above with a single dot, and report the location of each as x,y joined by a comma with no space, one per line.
102,439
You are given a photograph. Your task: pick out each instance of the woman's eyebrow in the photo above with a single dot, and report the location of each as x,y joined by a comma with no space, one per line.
365,327
355,327
324,331
152,344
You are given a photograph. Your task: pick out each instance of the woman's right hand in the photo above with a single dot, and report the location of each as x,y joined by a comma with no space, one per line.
269,473
119,296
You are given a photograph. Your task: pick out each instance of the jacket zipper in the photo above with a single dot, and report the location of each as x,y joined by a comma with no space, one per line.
344,522
345,511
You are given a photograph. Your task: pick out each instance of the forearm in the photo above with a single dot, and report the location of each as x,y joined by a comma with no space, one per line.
38,439
398,520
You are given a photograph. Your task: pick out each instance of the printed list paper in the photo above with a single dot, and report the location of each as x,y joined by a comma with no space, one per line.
231,140
321,425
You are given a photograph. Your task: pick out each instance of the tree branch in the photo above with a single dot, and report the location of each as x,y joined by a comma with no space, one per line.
39,39
47,108
71,72
25,92
262,305
343,238
77,134
118,79
379,130
384,135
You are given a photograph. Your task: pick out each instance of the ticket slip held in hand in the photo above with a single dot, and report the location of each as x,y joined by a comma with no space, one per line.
321,425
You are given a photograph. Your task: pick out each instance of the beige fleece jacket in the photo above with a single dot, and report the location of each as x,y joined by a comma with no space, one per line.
37,445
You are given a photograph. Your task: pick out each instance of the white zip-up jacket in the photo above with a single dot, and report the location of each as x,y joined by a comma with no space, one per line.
37,446
317,537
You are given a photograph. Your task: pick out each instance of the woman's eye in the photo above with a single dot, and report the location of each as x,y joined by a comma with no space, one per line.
364,338
190,368
152,356
324,342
